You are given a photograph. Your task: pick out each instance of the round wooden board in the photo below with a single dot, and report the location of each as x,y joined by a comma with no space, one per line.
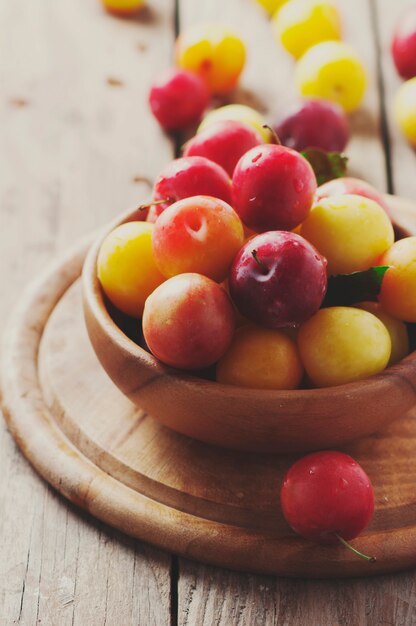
86,439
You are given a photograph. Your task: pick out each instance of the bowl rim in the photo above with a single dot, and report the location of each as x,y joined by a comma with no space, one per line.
93,293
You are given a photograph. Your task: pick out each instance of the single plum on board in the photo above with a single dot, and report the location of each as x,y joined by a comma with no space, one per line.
325,494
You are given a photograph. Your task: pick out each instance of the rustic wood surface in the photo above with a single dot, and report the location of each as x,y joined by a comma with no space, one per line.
77,146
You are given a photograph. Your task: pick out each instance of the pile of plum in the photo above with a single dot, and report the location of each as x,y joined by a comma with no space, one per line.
233,272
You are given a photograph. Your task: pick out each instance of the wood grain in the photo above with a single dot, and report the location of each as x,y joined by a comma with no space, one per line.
71,146
209,596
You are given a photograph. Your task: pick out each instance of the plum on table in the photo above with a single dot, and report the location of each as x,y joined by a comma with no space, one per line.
403,45
123,8
178,99
405,110
300,24
214,52
333,71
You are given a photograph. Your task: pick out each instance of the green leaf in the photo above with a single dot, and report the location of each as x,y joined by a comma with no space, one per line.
348,289
326,165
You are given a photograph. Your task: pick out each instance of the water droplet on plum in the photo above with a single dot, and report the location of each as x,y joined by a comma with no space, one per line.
298,185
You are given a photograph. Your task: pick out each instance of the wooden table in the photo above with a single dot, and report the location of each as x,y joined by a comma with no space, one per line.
78,145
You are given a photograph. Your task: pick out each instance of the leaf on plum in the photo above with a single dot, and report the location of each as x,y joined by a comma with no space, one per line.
326,165
348,289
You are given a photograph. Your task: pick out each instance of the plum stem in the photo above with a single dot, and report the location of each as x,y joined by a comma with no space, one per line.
142,207
275,136
345,543
262,266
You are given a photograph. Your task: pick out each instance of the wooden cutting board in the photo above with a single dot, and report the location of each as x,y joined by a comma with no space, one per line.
88,441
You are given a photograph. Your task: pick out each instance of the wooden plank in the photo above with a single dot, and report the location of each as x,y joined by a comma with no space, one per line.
267,81
268,601
76,147
365,149
401,156
207,595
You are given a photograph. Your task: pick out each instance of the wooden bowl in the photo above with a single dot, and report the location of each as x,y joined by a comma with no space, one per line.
247,419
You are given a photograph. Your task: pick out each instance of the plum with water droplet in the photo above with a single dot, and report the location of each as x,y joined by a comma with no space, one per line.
273,188
327,497
278,279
